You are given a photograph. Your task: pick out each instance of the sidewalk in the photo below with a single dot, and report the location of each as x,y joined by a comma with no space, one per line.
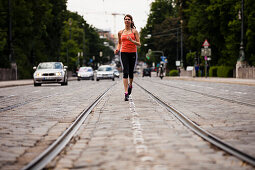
23,82
250,82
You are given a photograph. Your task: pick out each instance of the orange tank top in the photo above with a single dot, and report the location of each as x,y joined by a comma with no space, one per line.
126,45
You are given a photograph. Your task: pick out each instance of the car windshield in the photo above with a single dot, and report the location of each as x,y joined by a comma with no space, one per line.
50,66
85,69
104,69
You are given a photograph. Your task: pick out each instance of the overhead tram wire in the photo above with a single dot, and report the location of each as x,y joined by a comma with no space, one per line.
165,32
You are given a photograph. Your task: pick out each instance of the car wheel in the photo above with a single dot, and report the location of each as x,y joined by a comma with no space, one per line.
64,83
79,79
97,79
37,84
113,79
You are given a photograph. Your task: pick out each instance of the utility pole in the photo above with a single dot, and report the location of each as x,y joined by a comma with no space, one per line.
11,59
14,74
181,47
70,21
241,52
177,48
83,47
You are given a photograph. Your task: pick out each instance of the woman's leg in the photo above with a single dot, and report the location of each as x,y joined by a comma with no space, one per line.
132,64
125,68
125,82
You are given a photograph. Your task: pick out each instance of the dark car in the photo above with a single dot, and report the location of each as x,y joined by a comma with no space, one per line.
146,72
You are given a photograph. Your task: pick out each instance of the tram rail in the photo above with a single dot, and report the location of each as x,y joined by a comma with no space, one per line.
209,95
201,132
56,147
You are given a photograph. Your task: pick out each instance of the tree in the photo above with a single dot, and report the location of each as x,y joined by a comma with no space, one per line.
162,18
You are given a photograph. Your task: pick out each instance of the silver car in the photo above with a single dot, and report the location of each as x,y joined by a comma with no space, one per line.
50,72
104,72
85,73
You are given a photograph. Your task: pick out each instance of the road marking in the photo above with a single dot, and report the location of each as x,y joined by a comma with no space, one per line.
138,140
237,92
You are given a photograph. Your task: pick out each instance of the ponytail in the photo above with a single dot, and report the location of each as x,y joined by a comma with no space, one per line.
133,25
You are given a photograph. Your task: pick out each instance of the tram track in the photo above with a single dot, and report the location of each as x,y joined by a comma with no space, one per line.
209,95
201,132
56,147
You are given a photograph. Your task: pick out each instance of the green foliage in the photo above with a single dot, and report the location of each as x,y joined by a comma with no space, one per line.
174,73
159,22
224,71
190,58
214,20
41,32
213,71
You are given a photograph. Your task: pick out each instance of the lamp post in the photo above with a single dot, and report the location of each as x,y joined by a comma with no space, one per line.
181,46
241,52
70,24
10,32
83,41
177,48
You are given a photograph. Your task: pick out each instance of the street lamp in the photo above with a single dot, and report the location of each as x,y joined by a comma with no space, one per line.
10,31
70,21
83,41
181,46
241,52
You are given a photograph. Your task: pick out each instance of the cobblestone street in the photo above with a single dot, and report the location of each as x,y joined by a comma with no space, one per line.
138,134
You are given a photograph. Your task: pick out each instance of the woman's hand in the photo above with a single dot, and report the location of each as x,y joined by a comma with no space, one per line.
130,39
116,51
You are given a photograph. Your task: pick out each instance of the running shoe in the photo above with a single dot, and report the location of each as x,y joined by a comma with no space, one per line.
129,89
126,97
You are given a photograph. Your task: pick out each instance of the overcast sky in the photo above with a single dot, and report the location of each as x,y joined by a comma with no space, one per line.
99,12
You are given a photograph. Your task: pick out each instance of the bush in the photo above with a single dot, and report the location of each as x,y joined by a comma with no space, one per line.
174,73
225,71
213,71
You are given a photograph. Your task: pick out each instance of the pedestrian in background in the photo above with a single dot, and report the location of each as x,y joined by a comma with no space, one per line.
202,69
197,69
128,40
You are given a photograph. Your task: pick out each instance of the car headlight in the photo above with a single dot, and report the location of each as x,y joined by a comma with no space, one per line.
58,73
79,75
38,74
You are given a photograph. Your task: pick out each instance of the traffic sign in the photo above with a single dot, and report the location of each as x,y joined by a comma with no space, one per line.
206,52
206,44
177,63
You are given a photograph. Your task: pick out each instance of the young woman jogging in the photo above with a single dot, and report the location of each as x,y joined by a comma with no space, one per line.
128,40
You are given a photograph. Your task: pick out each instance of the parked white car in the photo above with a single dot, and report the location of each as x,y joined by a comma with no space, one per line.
85,73
105,72
50,72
